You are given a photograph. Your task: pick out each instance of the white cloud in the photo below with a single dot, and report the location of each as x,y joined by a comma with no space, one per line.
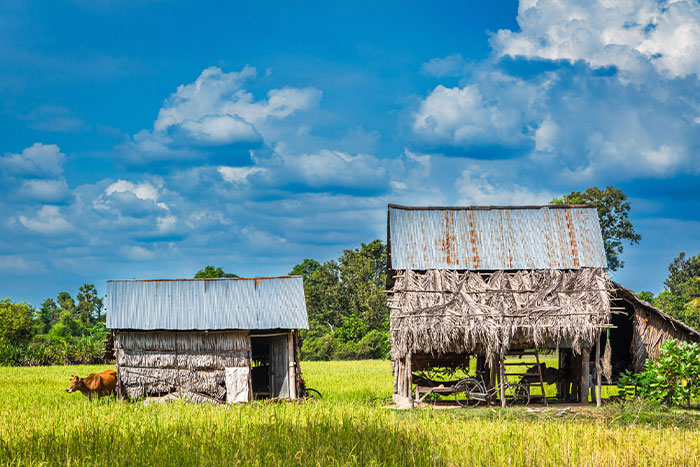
216,109
43,160
333,168
463,119
452,65
484,189
44,190
627,34
47,220
144,191
238,174
397,185
137,253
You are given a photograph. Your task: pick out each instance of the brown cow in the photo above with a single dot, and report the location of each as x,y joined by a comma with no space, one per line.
100,384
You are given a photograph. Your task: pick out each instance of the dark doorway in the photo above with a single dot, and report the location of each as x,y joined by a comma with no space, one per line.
269,371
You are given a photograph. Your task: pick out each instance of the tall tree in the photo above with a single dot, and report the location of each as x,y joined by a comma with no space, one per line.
681,270
681,297
305,268
89,307
210,272
66,302
47,315
613,214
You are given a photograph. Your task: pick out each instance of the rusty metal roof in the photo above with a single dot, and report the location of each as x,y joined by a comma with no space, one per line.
207,304
495,237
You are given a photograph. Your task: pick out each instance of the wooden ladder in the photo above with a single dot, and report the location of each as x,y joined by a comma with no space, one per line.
539,369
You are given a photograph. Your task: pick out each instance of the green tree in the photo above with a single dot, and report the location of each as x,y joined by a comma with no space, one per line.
613,213
16,323
89,309
66,302
47,315
681,296
680,271
210,272
305,268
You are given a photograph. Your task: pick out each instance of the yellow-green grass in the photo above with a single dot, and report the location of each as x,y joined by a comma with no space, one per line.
42,424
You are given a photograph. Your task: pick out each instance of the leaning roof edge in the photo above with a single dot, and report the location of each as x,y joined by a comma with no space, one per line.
631,294
488,208
263,278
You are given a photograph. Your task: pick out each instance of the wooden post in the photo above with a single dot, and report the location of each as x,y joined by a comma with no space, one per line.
585,372
501,382
409,377
598,371
291,372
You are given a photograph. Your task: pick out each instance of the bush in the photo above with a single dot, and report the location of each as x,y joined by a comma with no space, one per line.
319,348
671,379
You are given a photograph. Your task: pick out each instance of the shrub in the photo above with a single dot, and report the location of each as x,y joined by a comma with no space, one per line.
673,378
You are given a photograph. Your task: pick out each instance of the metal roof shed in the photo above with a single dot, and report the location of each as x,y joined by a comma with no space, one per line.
214,340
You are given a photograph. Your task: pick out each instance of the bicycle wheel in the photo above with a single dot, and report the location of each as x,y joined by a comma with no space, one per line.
471,391
312,394
519,395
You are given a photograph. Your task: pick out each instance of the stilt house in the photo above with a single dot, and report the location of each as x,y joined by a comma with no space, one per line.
225,340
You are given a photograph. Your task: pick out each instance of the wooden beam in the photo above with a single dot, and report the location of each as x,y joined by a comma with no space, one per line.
409,377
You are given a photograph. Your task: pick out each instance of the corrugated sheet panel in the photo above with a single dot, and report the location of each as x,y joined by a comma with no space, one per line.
262,303
495,238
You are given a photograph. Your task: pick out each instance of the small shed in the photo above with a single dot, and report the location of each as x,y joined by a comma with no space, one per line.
226,340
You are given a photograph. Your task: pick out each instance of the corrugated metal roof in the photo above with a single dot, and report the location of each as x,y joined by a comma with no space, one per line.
207,304
488,238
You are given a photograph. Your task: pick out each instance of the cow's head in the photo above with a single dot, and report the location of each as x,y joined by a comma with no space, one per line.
75,381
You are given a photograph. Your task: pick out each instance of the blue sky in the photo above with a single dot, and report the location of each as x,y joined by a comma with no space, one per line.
146,140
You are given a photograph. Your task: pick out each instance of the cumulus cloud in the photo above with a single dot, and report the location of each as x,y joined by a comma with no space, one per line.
41,160
238,174
214,111
47,220
329,168
41,190
478,188
465,121
628,35
554,104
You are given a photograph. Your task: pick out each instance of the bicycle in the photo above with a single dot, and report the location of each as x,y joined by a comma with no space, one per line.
475,391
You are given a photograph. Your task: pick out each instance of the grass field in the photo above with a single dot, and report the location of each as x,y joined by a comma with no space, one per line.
42,424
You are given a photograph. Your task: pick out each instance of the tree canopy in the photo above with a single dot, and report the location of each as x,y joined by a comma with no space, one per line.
613,214
210,272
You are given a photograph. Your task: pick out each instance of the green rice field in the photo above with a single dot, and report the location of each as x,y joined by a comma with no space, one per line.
41,424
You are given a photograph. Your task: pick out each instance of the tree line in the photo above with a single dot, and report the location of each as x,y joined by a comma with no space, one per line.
345,299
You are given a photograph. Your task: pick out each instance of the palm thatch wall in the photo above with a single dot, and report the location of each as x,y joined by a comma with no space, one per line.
651,328
154,363
441,311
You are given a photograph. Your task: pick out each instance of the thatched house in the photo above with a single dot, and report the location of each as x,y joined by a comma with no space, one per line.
225,340
490,281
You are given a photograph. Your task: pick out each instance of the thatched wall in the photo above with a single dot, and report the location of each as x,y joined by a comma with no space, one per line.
161,362
441,311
